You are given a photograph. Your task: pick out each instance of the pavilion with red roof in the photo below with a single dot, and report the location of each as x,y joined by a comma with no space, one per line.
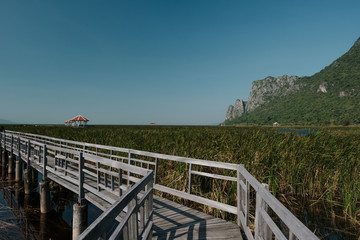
78,121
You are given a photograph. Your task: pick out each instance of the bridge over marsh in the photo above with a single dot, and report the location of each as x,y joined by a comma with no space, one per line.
122,182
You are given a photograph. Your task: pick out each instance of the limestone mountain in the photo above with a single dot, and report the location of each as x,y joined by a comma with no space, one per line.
263,90
329,96
236,111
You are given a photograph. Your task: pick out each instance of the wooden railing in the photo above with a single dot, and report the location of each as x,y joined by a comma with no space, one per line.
130,227
260,225
85,173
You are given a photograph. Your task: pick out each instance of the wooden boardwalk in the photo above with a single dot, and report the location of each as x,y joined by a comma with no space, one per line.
121,182
170,220
175,221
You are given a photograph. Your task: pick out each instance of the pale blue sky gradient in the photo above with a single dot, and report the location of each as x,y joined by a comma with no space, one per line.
168,62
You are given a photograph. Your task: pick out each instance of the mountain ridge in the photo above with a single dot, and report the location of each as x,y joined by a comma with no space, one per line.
330,96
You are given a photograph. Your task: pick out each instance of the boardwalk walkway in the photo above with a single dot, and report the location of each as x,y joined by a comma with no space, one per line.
175,221
171,220
121,182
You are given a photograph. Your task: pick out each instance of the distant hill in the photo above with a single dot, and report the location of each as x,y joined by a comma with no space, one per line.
331,96
4,121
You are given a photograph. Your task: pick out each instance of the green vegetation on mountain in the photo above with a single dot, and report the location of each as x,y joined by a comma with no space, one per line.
331,96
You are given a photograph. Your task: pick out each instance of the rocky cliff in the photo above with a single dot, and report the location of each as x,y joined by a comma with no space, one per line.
236,111
263,90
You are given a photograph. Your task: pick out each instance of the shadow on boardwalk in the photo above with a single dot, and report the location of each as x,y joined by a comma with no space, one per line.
175,221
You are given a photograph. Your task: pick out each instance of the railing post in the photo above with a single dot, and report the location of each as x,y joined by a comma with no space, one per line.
262,230
44,161
1,136
129,157
247,203
18,165
238,190
4,142
132,224
98,181
28,155
12,142
81,178
80,207
3,154
120,182
156,170
66,163
19,146
129,162
190,178
11,157
149,204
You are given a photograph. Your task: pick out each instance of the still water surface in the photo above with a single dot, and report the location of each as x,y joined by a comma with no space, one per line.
20,216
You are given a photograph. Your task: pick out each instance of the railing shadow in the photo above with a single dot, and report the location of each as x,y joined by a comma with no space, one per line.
184,226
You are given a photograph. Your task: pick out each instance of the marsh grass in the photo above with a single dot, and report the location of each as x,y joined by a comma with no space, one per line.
322,168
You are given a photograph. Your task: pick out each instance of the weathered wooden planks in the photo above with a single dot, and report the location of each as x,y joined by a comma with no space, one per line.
175,221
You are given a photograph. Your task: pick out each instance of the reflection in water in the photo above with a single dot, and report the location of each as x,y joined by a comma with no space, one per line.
20,216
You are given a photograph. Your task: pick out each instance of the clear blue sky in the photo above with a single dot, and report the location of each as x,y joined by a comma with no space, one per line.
168,62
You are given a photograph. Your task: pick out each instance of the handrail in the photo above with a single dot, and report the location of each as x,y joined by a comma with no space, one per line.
75,166
98,227
264,226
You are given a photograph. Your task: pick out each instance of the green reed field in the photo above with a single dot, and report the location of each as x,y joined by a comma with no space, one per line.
321,169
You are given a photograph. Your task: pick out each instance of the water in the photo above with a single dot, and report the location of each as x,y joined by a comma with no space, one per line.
20,216
297,132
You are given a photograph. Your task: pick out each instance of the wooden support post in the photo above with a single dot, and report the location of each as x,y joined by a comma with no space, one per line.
27,181
11,164
18,169
35,178
262,230
44,196
80,223
190,178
